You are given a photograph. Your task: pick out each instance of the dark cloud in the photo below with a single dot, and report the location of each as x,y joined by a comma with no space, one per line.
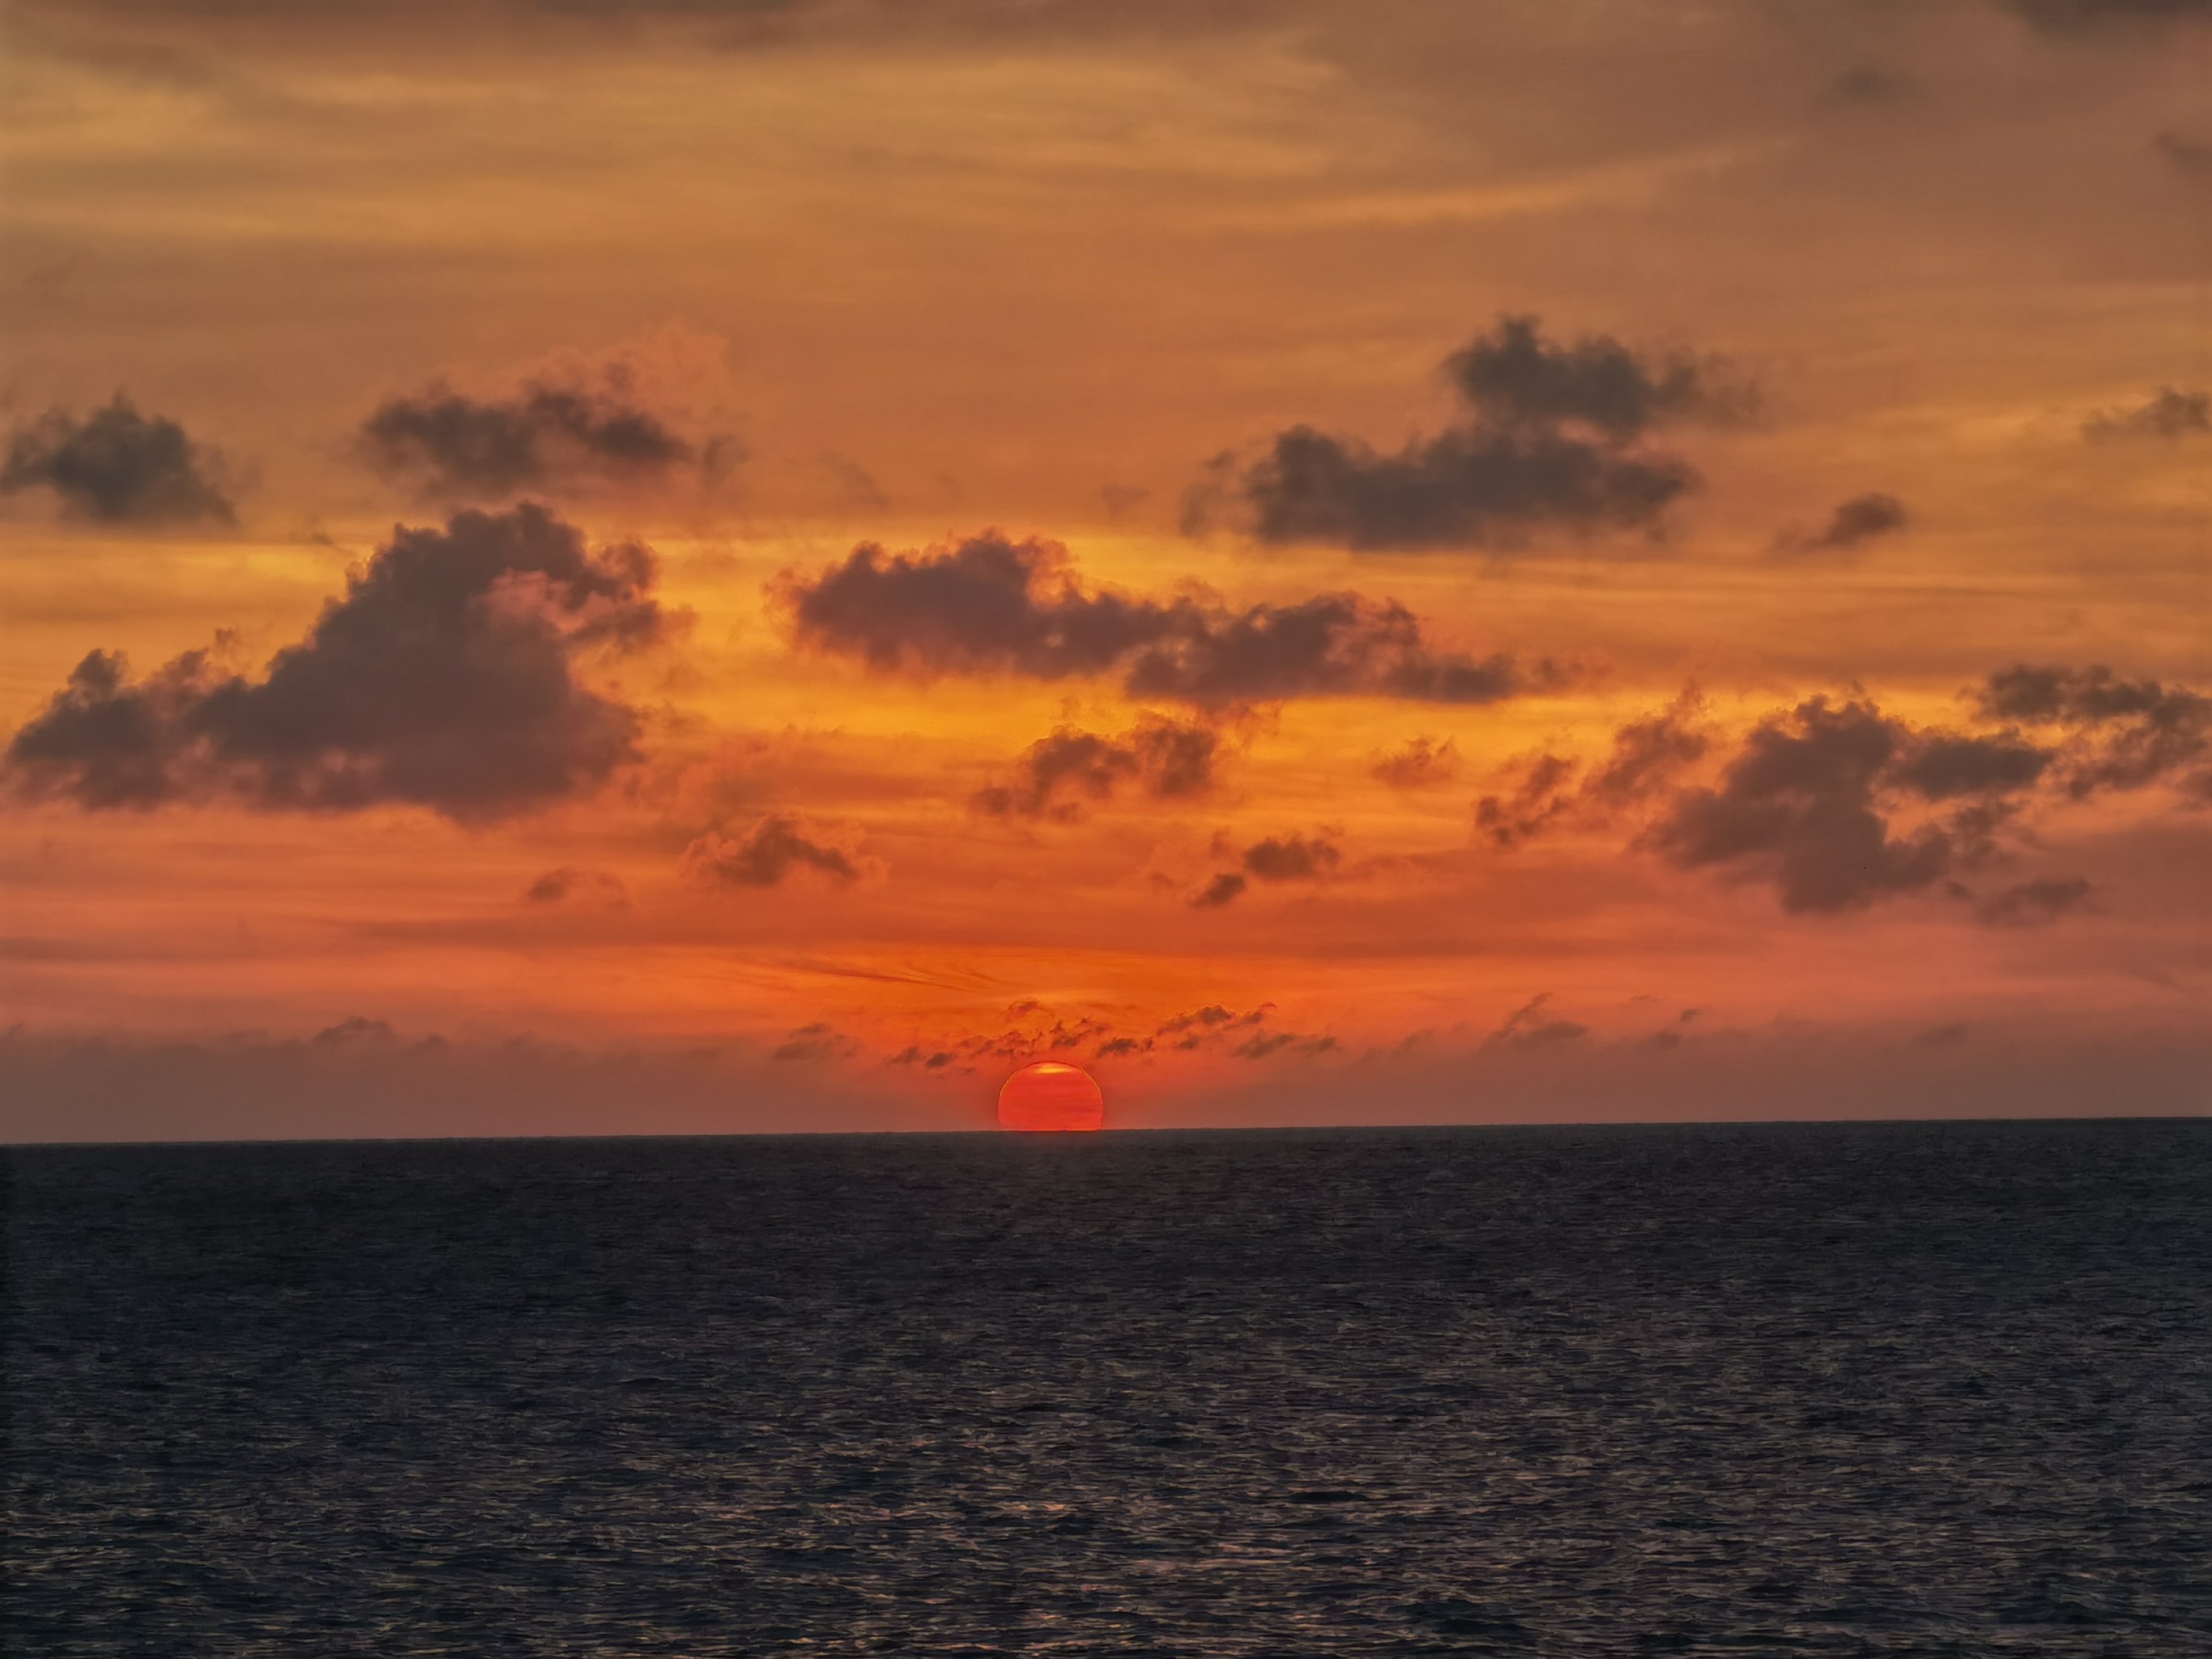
1292,857
2170,414
353,1030
569,884
1276,859
2190,157
2033,901
1419,763
993,605
1210,1027
1464,489
1646,757
1856,522
1551,440
1840,805
778,846
542,438
445,677
2120,734
1539,799
1870,85
1517,380
1801,803
929,1060
1529,1027
1943,765
1058,776
2082,17
815,1042
118,466
1225,888
1212,1017
1267,1044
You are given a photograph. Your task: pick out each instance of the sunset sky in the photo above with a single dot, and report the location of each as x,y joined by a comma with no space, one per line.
627,566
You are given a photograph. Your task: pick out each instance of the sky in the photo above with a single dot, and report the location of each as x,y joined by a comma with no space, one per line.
698,566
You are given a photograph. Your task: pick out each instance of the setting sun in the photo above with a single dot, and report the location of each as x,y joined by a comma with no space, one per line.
1051,1095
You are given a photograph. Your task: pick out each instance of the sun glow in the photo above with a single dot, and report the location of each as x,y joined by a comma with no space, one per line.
1051,1095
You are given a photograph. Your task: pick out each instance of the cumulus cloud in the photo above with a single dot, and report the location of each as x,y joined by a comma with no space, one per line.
1550,791
1872,86
1225,888
1530,1026
1807,801
777,846
1838,804
2081,17
814,1043
1418,764
1856,522
2190,157
1275,858
1552,438
569,884
2030,902
445,677
1519,380
2170,414
1267,1044
1060,776
118,466
541,437
2117,733
994,605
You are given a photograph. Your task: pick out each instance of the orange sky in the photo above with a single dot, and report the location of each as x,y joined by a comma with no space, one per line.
762,564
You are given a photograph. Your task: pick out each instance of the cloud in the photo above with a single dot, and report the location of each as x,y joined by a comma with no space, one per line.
1267,1044
1418,763
1870,85
1058,776
1856,522
2121,734
1517,380
2190,157
1646,757
1540,798
928,1059
1527,1027
2033,901
354,1028
993,605
1803,803
2170,414
118,466
779,846
444,677
1551,439
542,438
1225,888
2081,17
1840,805
1275,858
569,884
1292,857
813,1044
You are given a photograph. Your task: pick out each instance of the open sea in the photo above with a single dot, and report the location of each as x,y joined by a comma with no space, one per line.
1834,1389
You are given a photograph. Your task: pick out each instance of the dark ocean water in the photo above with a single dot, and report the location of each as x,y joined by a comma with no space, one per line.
1826,1390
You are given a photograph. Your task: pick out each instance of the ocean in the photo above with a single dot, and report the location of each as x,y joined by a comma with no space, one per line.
1835,1390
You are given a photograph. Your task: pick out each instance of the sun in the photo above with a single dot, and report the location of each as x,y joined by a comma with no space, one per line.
1051,1095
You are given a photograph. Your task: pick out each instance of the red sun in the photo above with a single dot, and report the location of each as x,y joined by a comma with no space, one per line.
1051,1095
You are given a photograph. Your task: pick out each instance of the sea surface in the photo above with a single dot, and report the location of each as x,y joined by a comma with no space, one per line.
1835,1390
